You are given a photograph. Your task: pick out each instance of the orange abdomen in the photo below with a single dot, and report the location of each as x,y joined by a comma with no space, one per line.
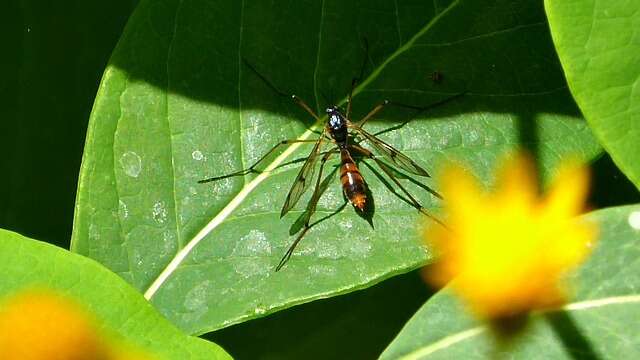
353,184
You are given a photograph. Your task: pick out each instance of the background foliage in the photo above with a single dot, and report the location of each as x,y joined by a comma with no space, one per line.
56,55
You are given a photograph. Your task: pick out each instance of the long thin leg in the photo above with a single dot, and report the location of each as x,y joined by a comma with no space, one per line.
287,255
264,79
279,92
372,113
354,81
420,109
430,106
305,106
301,159
310,210
386,170
251,169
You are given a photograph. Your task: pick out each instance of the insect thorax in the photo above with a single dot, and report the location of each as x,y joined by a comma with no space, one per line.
337,126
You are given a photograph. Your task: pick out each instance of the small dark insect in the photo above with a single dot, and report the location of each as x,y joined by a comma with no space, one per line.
437,77
341,131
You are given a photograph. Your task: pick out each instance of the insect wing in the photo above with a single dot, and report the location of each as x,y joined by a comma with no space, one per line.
393,154
303,180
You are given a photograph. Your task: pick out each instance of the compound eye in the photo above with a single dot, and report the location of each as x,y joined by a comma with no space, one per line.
330,109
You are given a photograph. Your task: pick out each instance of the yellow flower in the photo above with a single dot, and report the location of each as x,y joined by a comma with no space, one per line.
508,249
41,325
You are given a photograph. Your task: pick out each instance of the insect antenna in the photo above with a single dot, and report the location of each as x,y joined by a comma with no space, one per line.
264,79
365,43
327,100
356,80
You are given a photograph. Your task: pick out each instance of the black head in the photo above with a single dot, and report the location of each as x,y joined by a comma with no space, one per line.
336,121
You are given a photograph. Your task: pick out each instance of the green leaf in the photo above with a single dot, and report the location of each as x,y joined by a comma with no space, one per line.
28,263
602,319
177,105
357,328
598,46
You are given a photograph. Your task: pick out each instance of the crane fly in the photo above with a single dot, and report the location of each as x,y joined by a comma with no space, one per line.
342,133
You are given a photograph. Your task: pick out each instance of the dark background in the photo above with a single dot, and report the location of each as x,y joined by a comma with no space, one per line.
55,54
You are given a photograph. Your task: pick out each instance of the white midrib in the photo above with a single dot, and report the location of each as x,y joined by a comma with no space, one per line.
246,190
469,333
220,217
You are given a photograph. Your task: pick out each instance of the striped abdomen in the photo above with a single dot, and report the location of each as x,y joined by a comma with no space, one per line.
352,182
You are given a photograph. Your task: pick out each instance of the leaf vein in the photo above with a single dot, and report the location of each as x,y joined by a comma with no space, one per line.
167,100
453,339
317,66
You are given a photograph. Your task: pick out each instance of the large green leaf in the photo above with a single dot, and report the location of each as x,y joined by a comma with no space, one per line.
177,105
601,322
356,328
598,45
28,264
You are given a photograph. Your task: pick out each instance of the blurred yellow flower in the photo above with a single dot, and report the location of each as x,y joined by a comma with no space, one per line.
41,325
508,249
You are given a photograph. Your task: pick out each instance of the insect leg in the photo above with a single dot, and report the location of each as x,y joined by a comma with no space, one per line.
430,106
372,113
263,78
301,159
287,255
279,92
251,169
419,109
385,168
353,85
311,208
305,106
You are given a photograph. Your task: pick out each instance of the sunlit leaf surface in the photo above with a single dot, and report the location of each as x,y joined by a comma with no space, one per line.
33,265
177,104
597,42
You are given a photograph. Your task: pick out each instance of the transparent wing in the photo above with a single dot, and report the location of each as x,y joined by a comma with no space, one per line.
391,153
304,178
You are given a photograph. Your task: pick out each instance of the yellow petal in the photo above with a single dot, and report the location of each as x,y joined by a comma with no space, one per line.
509,249
568,192
41,325
516,181
38,325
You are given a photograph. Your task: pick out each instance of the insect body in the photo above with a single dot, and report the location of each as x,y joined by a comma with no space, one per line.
341,131
353,184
